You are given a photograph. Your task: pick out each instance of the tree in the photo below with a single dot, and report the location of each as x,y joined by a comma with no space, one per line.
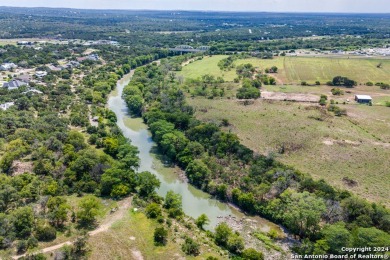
222,234
147,183
57,211
235,243
190,247
336,236
302,212
198,173
89,209
343,81
172,143
370,237
23,221
173,202
153,210
135,104
202,220
23,103
160,236
45,233
117,182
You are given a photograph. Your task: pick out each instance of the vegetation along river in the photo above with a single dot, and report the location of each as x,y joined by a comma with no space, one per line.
195,201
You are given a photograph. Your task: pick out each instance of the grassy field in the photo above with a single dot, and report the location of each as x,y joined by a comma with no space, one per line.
133,236
297,69
356,147
294,70
208,65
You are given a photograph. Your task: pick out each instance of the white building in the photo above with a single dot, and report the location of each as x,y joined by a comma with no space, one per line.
7,105
8,66
40,74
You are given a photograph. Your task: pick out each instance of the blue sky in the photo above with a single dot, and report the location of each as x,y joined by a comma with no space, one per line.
356,6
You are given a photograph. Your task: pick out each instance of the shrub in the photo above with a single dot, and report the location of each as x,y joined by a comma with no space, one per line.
337,91
252,254
190,247
21,246
337,110
160,236
153,210
46,233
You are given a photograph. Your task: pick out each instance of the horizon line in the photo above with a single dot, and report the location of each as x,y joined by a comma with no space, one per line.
193,10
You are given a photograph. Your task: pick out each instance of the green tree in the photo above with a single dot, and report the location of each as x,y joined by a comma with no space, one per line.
117,182
89,209
135,104
222,234
153,210
23,221
45,233
173,202
198,173
160,236
147,183
370,237
57,211
202,220
336,236
235,243
302,212
190,247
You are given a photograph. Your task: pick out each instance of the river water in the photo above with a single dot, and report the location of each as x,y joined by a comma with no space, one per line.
195,201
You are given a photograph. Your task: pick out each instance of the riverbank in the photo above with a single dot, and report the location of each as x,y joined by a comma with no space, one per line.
195,202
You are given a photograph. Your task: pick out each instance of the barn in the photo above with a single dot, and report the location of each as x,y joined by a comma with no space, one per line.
363,99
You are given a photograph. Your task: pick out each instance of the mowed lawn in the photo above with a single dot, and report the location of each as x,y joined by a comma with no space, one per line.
356,147
294,70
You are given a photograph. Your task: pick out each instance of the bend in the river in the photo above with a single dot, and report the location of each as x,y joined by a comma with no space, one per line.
195,201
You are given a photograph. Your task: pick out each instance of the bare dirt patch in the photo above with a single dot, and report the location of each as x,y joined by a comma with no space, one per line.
296,97
19,167
137,255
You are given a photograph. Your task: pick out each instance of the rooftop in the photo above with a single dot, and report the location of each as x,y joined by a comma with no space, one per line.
363,97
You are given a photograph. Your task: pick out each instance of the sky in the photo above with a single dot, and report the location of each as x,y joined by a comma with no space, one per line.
354,6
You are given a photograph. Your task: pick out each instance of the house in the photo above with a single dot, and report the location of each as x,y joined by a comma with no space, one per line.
92,57
33,90
363,99
14,84
8,66
72,64
54,68
7,105
40,74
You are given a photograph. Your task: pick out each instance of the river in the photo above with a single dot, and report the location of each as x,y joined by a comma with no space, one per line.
195,201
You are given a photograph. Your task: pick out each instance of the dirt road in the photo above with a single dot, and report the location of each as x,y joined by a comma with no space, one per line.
124,205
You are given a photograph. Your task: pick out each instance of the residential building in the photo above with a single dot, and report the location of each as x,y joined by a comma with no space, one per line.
14,84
